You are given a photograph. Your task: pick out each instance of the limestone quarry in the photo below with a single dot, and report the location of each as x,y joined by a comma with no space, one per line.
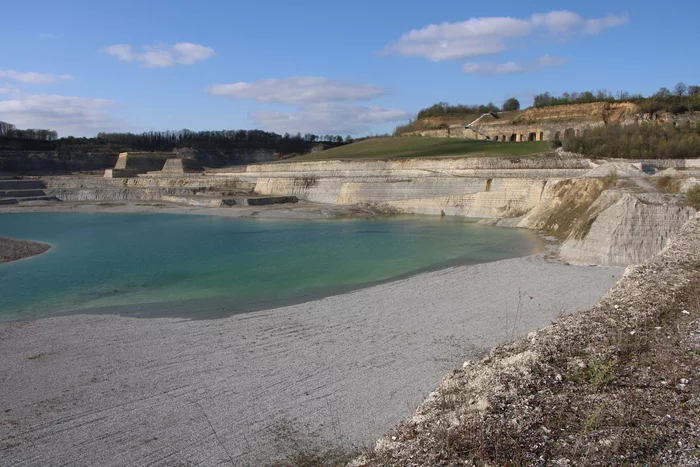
602,212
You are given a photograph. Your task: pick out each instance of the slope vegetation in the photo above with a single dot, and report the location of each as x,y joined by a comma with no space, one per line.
393,148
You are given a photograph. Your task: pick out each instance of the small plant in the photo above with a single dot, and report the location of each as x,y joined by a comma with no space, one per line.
591,422
600,372
667,185
693,196
611,179
555,144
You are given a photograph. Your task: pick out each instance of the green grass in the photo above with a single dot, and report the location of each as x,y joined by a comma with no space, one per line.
422,146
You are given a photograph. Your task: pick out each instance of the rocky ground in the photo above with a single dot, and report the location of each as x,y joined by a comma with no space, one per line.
12,250
616,385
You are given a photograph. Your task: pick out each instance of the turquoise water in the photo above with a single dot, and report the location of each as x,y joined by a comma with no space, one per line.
205,266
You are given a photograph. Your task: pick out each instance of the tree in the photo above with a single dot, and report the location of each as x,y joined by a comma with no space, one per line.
511,104
663,93
681,89
693,90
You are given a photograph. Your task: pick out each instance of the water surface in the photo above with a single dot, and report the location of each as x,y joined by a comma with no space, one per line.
204,266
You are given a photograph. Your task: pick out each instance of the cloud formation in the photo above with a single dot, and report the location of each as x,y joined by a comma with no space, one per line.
596,26
492,35
510,68
32,77
298,90
161,55
68,115
328,118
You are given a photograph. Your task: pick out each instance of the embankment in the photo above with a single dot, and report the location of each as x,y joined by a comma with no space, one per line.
616,385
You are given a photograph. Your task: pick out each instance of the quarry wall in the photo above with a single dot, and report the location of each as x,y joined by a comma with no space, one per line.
564,196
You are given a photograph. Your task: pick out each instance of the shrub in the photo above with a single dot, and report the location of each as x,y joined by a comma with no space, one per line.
645,141
693,196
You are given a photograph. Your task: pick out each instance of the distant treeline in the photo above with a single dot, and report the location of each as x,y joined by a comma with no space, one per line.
443,109
682,99
46,140
8,130
645,141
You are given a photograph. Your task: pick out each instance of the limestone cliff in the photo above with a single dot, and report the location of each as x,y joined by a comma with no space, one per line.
610,227
625,228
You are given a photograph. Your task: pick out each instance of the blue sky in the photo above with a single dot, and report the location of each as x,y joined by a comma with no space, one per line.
323,67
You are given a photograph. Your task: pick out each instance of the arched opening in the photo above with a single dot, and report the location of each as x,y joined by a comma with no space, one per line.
532,137
504,138
557,136
578,132
522,138
512,137
569,133
495,138
541,135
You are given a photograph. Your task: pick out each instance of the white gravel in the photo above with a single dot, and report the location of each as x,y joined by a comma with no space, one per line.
245,390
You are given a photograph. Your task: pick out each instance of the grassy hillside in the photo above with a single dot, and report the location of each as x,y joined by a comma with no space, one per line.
402,147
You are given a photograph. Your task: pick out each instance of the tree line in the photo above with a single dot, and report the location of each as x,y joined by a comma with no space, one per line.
8,130
644,141
443,109
36,139
681,99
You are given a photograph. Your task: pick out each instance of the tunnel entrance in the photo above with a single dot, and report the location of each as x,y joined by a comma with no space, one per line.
541,136
513,137
532,137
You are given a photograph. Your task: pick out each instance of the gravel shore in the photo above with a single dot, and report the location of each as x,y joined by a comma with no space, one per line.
254,388
12,250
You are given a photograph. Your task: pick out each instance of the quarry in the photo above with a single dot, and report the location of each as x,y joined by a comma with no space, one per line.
613,382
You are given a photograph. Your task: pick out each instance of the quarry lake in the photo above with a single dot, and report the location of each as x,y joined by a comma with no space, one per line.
206,266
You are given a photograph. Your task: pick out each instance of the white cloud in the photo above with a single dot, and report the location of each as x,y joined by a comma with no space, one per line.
328,118
161,55
451,41
596,26
491,35
298,90
561,22
32,77
68,115
121,51
492,68
511,68
50,36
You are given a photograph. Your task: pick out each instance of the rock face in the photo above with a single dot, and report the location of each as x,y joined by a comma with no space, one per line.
182,166
473,187
542,124
626,228
607,226
563,196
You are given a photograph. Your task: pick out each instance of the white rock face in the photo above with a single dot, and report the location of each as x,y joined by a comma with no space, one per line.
476,187
630,230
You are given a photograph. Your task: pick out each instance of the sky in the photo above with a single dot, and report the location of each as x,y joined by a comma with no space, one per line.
323,67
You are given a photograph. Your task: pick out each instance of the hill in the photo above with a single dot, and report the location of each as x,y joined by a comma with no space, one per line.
416,146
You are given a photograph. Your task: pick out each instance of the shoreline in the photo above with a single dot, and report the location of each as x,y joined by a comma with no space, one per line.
339,371
299,210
